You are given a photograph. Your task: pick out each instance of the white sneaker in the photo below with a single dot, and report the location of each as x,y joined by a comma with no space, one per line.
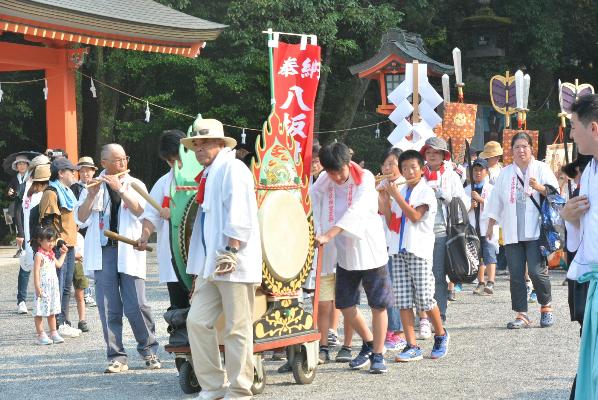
425,329
89,301
66,330
22,308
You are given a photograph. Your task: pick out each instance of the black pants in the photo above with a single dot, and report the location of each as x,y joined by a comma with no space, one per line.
179,295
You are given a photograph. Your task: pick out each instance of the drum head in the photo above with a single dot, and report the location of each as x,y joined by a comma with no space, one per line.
285,234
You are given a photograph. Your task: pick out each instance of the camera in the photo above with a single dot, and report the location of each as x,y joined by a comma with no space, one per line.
59,243
54,154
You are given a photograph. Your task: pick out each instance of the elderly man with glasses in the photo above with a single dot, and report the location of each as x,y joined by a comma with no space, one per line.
118,269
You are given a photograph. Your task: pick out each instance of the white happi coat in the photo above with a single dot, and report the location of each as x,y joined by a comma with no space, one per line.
230,209
160,190
583,239
486,194
362,243
502,206
130,261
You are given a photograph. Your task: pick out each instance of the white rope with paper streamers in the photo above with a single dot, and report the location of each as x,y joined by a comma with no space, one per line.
243,136
45,89
377,131
92,89
422,129
1,93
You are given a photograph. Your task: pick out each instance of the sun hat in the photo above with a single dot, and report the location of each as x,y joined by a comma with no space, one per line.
18,159
491,149
436,143
42,159
42,173
206,129
86,162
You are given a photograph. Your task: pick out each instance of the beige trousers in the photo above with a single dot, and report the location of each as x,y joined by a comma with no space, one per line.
235,300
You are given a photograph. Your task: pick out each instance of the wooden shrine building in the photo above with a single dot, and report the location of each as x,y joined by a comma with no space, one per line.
388,65
65,28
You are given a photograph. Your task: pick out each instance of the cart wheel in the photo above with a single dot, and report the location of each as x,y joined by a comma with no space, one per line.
259,377
301,373
178,361
187,379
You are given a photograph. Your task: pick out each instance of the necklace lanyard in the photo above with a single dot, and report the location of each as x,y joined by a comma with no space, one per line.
404,220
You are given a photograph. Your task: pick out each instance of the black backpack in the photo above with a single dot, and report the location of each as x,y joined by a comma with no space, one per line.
463,247
34,221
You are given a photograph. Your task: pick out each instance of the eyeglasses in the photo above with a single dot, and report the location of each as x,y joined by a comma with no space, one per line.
120,160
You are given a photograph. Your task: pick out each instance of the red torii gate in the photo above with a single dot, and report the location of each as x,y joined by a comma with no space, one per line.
64,27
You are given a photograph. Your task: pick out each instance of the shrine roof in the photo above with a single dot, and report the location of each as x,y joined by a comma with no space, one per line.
116,23
407,46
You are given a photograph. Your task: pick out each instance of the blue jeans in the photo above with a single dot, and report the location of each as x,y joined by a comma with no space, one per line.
441,285
394,313
23,282
65,281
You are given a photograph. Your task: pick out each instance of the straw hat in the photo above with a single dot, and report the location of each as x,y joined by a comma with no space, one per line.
18,159
42,159
206,129
42,173
436,143
86,162
491,149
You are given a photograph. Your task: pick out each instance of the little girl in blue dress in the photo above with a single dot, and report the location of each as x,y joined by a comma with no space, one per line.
47,295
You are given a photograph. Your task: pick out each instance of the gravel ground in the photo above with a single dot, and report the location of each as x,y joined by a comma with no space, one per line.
485,360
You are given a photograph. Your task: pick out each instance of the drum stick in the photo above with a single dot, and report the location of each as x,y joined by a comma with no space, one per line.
97,182
146,196
124,239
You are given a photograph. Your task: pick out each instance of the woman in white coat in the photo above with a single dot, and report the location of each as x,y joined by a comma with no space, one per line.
512,207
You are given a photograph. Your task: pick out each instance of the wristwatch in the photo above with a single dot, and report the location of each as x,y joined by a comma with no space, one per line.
233,250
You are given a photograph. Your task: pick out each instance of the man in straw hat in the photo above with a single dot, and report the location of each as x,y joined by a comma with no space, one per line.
492,152
225,254
118,269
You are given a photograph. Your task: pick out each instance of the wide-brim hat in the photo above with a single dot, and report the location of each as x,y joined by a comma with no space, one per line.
20,158
206,129
436,143
86,162
42,173
42,159
491,149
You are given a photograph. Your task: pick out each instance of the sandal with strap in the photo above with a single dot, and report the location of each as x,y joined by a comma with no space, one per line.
546,317
521,321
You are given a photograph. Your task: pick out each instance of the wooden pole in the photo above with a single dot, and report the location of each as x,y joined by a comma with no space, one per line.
416,118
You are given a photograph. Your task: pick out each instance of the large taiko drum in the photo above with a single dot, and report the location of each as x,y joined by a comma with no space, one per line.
285,234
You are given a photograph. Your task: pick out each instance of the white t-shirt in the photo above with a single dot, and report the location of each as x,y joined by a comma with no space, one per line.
418,237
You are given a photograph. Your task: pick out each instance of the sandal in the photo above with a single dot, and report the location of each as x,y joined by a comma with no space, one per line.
521,321
546,317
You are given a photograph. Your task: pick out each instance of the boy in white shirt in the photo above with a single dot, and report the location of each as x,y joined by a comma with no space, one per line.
413,281
482,190
345,195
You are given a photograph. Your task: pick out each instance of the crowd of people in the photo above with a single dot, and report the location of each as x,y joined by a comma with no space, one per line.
376,235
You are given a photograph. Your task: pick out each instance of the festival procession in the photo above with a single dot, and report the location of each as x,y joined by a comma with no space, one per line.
339,199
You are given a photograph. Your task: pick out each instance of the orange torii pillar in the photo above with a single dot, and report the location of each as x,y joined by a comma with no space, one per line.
59,65
61,106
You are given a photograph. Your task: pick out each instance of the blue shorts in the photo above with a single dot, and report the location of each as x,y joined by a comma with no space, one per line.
488,252
375,282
